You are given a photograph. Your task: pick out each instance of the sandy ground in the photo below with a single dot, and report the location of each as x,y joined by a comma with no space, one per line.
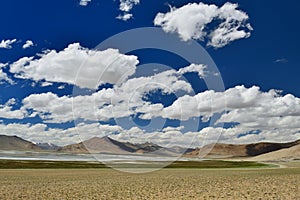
280,183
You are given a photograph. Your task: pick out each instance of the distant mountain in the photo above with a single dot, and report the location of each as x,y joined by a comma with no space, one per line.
241,150
48,146
259,151
93,145
292,153
108,145
17,144
180,150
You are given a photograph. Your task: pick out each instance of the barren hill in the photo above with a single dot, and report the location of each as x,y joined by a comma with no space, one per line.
292,153
93,145
16,143
241,150
268,151
108,145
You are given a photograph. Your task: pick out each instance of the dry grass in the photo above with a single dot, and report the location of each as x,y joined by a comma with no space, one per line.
165,184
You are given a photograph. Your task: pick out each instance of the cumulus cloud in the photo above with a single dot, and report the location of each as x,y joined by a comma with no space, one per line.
126,6
49,107
120,101
200,69
270,114
3,76
95,67
6,111
248,107
242,135
84,2
41,133
7,44
255,115
27,44
194,21
261,116
209,102
169,137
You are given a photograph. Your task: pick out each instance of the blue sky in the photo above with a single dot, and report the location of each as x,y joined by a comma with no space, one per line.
251,67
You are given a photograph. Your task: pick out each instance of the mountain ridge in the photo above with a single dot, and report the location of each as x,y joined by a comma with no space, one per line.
17,143
240,150
111,146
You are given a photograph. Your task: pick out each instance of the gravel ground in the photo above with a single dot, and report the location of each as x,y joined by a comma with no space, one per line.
283,183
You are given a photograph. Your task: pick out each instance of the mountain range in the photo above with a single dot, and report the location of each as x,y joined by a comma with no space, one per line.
241,150
258,151
17,143
108,145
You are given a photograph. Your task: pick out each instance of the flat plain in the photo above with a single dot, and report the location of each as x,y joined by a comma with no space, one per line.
263,183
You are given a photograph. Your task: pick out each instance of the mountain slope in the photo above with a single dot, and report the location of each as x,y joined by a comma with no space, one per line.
108,145
292,153
259,151
93,145
16,143
48,146
242,150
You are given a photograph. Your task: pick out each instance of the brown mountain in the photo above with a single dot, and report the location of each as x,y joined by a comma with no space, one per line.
242,150
292,153
108,145
268,151
17,143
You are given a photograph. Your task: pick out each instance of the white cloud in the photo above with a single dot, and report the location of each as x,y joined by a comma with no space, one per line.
268,111
169,137
6,111
126,6
121,101
28,44
125,16
3,76
281,60
233,28
275,116
7,44
249,107
41,133
3,65
284,131
94,67
200,69
127,99
84,2
46,84
193,21
208,102
49,107
61,87
237,135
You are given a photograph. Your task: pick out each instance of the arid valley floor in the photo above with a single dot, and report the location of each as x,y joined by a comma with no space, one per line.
247,183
